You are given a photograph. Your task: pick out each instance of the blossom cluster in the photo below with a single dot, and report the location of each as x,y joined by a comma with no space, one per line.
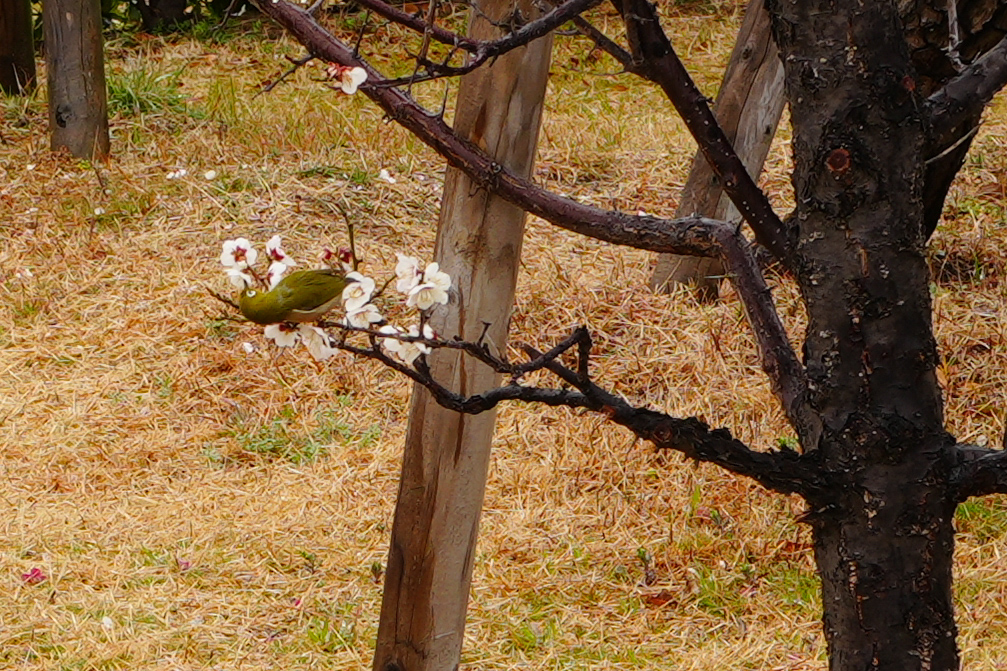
423,288
348,79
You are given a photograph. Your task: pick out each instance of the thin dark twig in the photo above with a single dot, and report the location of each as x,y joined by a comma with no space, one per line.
360,33
610,47
584,357
482,336
349,233
538,360
482,51
413,22
425,46
99,177
298,64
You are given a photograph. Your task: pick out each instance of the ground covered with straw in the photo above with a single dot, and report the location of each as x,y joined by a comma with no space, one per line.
172,501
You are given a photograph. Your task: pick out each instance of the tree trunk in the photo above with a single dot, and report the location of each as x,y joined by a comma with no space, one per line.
17,47
447,454
78,116
749,106
883,534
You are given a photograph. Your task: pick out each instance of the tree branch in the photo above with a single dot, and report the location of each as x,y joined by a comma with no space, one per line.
654,55
692,236
980,471
484,50
963,98
609,46
779,360
783,471
298,63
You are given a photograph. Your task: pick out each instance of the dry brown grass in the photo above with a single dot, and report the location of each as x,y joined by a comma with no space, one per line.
196,507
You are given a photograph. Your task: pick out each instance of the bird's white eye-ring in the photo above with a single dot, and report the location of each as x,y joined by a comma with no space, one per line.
251,292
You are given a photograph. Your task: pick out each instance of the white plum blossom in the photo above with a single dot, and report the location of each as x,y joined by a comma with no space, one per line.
392,345
349,78
386,176
275,273
238,253
408,272
410,351
358,293
425,296
363,317
282,335
275,252
239,278
433,290
434,275
210,175
317,342
248,347
428,333
406,352
177,174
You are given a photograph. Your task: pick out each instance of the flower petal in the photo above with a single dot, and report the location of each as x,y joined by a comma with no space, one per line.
281,335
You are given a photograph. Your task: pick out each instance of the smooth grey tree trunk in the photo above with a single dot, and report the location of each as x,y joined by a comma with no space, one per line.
447,454
78,114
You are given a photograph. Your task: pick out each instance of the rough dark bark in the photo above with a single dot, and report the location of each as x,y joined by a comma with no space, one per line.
17,47
884,537
78,116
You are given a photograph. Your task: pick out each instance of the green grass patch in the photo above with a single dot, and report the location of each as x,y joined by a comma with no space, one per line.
282,438
984,519
147,91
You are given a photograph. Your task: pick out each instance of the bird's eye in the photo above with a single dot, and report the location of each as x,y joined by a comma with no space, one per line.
251,292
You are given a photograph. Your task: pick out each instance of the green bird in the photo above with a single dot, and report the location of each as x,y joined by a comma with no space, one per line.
304,296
